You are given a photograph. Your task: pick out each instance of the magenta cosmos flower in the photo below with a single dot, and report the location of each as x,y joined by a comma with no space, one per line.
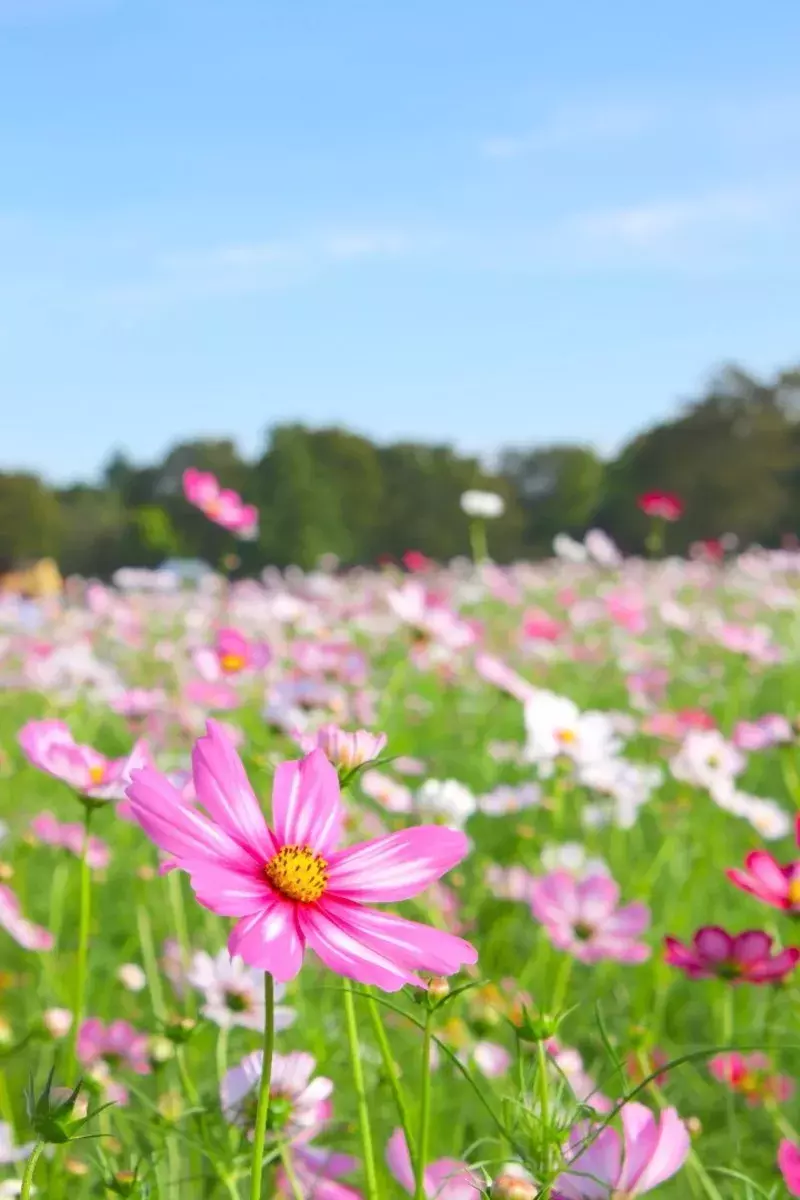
582,917
290,886
220,505
789,1163
50,746
114,1045
751,1075
445,1179
607,1165
741,958
665,506
766,879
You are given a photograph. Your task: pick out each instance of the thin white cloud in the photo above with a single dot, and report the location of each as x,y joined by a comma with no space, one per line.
577,127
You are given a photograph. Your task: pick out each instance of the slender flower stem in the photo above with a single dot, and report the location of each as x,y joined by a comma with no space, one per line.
425,1109
562,983
544,1101
262,1112
30,1167
84,924
145,931
477,540
294,1182
393,1075
175,892
370,1174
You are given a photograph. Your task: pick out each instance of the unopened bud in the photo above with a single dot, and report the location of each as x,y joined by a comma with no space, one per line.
180,1029
438,988
170,1106
514,1186
536,1027
146,873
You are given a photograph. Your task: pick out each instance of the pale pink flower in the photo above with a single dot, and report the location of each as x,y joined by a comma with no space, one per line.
603,1165
582,917
57,1021
138,702
539,626
344,749
298,1098
763,733
395,796
569,1064
233,992
71,836
491,1059
221,505
50,746
115,1045
28,935
292,887
445,1179
132,977
495,671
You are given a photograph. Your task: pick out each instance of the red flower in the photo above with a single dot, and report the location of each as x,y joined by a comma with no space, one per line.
741,958
751,1076
665,505
415,560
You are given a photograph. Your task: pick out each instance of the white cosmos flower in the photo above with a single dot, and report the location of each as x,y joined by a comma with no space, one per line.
487,505
447,799
566,548
234,992
600,547
766,816
707,760
630,785
557,728
572,857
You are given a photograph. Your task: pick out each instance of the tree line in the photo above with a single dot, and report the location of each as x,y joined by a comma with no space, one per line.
733,456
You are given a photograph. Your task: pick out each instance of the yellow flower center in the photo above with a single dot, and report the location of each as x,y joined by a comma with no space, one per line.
96,774
298,873
566,736
794,891
231,663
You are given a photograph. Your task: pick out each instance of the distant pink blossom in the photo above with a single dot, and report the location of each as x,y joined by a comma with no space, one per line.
539,626
25,933
395,796
495,671
139,702
50,746
221,505
751,1075
649,1151
290,886
232,654
582,916
626,608
665,506
741,958
213,697
770,730
753,641
343,748
445,1179
789,1164
115,1045
768,880
70,836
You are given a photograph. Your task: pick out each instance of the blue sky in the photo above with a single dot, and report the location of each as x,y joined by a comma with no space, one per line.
492,223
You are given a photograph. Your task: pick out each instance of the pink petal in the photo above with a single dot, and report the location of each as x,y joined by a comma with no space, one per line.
713,944
640,1131
229,893
767,872
595,1170
629,921
224,790
669,1154
398,1160
598,896
449,1179
270,940
307,807
751,946
344,951
789,1163
397,866
177,827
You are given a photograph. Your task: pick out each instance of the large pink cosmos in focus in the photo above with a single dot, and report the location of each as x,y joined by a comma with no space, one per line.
290,886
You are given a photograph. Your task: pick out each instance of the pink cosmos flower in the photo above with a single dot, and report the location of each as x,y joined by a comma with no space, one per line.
50,746
317,1171
232,654
495,671
138,702
70,836
445,1179
770,730
539,626
221,505
582,917
789,1163
751,1075
115,1045
626,608
299,1104
666,506
233,992
344,749
767,880
648,1152
290,886
570,1066
742,958
25,933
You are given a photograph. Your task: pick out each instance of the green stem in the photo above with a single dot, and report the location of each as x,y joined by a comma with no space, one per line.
425,1108
544,1101
30,1167
84,924
145,930
179,917
393,1075
562,983
294,1182
262,1112
370,1174
477,540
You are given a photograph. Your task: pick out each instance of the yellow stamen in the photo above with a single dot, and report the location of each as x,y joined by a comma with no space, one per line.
566,736
231,663
96,774
298,873
794,892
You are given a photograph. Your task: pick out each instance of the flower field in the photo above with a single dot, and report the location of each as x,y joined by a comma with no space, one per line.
449,882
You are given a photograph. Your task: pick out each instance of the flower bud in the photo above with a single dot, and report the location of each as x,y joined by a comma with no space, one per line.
57,1021
438,988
